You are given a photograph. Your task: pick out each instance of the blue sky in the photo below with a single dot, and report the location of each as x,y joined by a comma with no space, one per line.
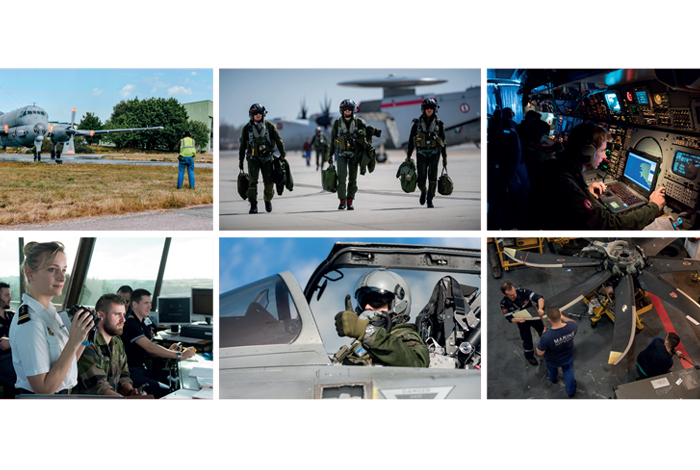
282,90
97,91
244,260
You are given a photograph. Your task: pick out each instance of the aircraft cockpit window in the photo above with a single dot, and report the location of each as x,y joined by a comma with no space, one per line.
258,314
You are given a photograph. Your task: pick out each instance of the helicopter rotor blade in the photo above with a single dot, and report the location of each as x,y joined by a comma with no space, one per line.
625,320
653,246
572,295
546,260
662,265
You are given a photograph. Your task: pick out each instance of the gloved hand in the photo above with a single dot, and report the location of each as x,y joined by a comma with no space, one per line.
347,323
282,157
240,164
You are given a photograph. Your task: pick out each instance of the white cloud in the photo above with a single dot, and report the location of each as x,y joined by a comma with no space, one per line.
126,91
96,91
179,90
194,74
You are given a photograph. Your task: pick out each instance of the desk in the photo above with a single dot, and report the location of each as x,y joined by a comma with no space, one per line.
166,339
196,378
677,384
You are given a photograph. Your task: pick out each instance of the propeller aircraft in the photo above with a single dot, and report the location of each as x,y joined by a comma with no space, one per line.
29,126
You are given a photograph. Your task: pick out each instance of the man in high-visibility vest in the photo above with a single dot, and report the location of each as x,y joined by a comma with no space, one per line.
186,158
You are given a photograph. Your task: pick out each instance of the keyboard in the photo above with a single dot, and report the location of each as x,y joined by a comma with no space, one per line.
625,194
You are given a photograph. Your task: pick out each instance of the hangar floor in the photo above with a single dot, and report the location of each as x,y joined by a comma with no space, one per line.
509,375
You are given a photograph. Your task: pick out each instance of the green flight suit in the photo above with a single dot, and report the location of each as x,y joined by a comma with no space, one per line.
349,151
320,143
402,347
428,137
257,145
560,199
102,367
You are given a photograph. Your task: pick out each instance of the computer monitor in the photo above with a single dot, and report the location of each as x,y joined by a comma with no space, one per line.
641,171
202,305
173,312
612,102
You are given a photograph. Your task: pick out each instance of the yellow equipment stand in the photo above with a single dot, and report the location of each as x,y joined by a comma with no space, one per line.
642,304
520,244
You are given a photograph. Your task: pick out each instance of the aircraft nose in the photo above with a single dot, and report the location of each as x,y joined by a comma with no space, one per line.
39,129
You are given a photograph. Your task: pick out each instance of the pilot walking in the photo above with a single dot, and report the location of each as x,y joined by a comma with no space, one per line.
258,140
428,137
186,158
344,136
320,143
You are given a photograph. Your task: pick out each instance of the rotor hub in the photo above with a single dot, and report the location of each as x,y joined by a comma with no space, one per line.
625,257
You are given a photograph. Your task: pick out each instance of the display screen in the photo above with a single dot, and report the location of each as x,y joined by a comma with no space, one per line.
613,102
173,310
685,165
642,97
640,170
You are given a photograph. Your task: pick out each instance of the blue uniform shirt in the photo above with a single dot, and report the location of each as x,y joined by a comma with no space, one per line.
525,299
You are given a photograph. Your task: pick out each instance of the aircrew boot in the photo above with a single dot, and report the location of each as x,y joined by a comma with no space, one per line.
423,194
268,206
350,208
253,207
341,206
430,203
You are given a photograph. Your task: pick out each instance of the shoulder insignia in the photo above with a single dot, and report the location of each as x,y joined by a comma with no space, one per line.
504,310
588,204
23,314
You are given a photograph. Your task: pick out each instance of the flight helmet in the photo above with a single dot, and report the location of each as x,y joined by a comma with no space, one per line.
256,108
379,287
347,104
319,130
429,103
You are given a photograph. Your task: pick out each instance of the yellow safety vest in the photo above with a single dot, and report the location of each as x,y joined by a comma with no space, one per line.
187,147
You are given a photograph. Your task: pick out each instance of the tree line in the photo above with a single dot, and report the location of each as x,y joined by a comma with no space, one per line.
151,112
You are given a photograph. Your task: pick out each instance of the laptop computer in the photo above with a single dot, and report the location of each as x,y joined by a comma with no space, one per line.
638,180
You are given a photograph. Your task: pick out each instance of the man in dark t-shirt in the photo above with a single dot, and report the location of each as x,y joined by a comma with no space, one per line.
657,358
557,346
137,343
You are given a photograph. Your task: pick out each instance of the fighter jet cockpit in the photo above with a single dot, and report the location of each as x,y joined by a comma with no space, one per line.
653,121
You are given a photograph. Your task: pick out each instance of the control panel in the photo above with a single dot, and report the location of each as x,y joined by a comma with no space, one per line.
651,118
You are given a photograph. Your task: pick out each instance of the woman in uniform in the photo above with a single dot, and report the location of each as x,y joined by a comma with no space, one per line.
45,347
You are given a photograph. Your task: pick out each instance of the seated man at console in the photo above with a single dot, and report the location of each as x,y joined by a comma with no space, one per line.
561,199
102,369
137,340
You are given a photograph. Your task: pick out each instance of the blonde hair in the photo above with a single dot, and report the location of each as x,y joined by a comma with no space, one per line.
38,256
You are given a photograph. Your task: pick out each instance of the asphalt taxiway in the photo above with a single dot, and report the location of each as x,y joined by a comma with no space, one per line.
380,203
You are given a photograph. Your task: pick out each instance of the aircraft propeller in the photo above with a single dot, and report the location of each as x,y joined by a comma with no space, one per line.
623,263
324,119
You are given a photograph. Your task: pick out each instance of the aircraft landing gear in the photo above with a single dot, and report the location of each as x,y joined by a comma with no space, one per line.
37,155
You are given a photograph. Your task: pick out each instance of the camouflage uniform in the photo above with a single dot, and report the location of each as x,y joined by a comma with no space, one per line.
259,155
401,347
428,137
348,154
102,367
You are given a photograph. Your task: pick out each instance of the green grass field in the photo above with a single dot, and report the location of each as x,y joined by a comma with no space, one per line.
44,192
